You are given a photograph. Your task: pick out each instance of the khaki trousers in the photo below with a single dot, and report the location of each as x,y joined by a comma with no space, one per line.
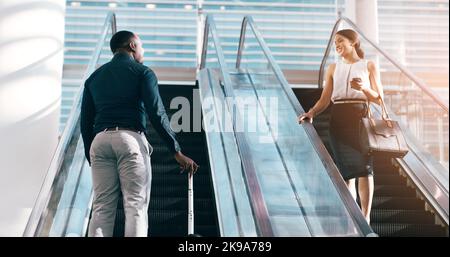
120,160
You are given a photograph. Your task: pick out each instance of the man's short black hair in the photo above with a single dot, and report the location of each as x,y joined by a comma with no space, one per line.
120,40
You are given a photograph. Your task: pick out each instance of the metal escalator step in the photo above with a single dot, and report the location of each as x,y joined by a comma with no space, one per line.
198,147
119,225
157,140
184,141
401,216
174,224
162,186
180,179
322,128
170,211
180,203
386,179
174,169
171,161
393,190
403,203
164,166
167,157
408,230
391,170
153,135
384,167
177,217
181,231
162,153
176,203
195,146
181,135
206,231
178,191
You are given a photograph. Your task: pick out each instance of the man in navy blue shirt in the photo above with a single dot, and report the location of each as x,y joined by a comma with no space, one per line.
115,99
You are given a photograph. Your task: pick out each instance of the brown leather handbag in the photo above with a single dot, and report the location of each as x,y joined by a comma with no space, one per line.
383,136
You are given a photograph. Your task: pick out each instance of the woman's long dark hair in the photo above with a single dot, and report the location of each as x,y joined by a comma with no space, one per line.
354,38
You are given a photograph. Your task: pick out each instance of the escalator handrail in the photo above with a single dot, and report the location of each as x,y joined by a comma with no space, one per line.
405,71
261,213
69,130
325,157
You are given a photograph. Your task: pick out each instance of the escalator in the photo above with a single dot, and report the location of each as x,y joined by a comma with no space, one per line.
168,212
410,194
63,206
396,209
275,179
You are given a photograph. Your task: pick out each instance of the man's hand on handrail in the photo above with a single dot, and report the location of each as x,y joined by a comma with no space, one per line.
186,163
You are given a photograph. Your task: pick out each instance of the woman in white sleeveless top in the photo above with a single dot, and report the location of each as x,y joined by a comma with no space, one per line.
350,83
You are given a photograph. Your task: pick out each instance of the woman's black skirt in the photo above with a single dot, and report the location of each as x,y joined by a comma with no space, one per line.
345,140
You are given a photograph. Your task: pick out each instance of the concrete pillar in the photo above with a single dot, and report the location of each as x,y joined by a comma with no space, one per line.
31,58
366,17
365,14
350,9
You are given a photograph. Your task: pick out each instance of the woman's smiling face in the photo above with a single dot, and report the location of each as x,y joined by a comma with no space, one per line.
343,45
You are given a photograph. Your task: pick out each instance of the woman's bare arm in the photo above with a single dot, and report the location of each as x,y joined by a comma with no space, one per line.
376,89
325,98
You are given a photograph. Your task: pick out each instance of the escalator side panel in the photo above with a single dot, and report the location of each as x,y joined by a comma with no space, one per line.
234,211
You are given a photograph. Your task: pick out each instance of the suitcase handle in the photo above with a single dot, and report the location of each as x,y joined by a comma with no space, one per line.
190,203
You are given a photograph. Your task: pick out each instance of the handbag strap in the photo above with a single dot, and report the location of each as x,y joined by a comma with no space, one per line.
384,112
